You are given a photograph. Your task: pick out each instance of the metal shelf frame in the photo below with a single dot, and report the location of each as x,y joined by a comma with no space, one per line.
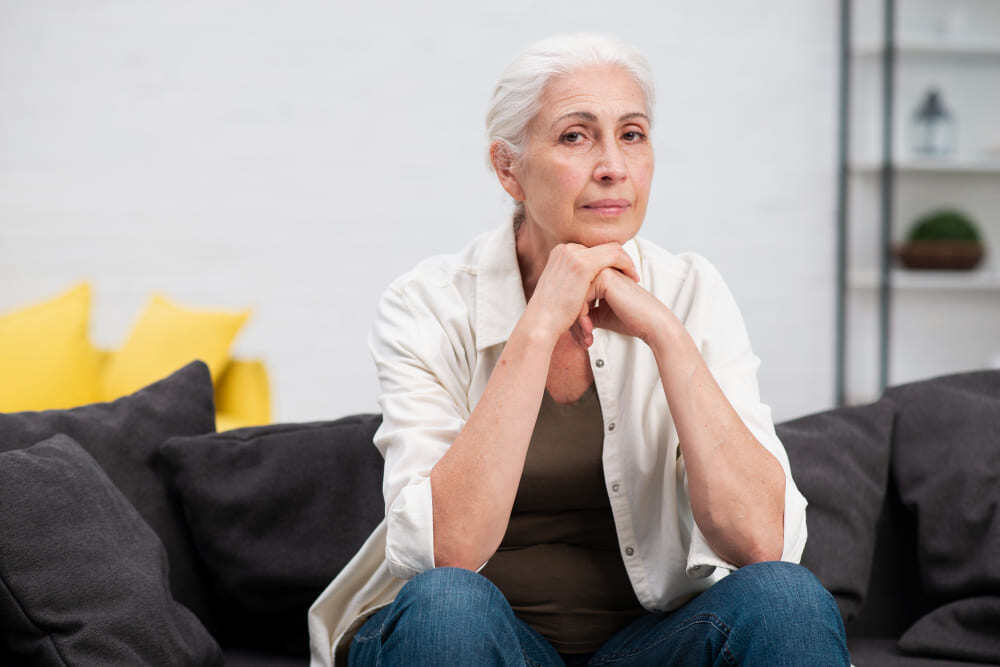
887,191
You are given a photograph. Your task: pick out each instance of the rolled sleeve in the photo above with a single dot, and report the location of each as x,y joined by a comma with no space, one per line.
423,407
728,355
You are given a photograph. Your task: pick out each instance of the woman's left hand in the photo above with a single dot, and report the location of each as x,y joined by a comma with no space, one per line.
625,307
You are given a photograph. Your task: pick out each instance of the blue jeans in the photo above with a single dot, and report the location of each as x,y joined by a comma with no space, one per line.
772,614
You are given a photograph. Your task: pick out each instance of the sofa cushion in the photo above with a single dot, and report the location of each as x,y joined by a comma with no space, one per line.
83,579
840,461
276,511
966,629
946,464
124,436
881,652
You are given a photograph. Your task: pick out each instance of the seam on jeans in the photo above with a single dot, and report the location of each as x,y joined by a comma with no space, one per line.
529,661
358,639
376,634
698,619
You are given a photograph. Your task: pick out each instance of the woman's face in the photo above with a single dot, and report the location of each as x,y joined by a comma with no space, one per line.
585,174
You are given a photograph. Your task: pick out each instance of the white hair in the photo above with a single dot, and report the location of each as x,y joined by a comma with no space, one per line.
517,96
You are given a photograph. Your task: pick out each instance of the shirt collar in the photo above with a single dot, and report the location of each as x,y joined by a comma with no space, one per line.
499,290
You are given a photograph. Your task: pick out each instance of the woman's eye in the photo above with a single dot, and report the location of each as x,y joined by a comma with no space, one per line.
571,137
633,135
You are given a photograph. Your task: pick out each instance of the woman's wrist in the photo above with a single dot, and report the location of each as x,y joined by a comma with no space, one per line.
666,335
537,329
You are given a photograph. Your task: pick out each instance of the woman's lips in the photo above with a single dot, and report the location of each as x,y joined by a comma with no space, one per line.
608,206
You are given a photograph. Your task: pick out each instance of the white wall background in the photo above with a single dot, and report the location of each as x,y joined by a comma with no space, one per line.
295,157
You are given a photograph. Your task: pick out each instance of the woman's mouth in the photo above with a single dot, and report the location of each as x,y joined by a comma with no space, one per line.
608,207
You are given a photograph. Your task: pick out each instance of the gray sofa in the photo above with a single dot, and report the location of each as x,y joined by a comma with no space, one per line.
219,542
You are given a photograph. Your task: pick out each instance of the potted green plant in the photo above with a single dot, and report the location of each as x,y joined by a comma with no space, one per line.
942,239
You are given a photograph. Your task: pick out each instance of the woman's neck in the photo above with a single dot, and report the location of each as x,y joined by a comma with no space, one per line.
533,250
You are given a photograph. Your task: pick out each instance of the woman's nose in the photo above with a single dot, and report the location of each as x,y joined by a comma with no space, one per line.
610,167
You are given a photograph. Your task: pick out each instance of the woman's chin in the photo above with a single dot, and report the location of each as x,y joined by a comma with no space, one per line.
596,234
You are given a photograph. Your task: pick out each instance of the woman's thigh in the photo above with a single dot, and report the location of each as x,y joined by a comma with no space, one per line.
771,614
452,616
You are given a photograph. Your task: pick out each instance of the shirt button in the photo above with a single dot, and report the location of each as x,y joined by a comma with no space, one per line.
614,487
629,551
611,426
599,363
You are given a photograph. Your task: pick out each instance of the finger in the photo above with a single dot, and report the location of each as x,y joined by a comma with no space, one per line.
612,254
579,336
597,291
574,331
631,272
586,326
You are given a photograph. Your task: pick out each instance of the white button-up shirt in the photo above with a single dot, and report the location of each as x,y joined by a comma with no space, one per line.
438,332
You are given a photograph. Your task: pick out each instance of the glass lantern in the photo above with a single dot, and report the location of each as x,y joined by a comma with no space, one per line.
933,127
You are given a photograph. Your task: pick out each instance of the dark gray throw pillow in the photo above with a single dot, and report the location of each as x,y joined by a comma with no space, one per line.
946,464
276,512
83,579
123,436
840,462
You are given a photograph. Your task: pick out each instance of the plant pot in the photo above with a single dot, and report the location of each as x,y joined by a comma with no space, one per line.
950,255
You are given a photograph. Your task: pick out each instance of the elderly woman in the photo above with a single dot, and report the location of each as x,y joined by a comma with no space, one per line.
578,466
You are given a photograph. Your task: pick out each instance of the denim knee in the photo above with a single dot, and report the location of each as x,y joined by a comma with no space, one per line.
443,616
451,592
782,615
777,591
787,586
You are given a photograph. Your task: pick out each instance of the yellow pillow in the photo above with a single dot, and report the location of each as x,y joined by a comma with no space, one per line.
166,337
243,395
47,361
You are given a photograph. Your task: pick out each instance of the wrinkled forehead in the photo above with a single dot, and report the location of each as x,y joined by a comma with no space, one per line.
605,93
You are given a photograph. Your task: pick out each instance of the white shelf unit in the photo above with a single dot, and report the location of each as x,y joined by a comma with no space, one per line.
923,46
939,321
976,280
986,167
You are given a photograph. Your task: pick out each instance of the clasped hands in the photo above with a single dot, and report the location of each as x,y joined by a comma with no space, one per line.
582,289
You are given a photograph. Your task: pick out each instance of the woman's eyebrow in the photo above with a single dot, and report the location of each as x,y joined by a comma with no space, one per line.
582,115
634,114
591,118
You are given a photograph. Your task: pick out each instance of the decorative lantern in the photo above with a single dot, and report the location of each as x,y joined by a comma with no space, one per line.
933,127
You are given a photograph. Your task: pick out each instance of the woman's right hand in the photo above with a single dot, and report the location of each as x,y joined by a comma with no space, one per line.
559,300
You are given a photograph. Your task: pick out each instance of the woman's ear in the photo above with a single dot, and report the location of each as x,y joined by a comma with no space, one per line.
503,160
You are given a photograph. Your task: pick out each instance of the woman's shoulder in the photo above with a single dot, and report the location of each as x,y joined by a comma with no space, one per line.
440,288
683,266
442,269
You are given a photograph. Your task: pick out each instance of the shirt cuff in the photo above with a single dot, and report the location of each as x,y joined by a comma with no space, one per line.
702,560
409,542
795,523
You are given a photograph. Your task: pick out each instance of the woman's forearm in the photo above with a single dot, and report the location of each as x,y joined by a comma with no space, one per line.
736,486
474,484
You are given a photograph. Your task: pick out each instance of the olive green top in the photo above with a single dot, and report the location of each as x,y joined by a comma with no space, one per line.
559,564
